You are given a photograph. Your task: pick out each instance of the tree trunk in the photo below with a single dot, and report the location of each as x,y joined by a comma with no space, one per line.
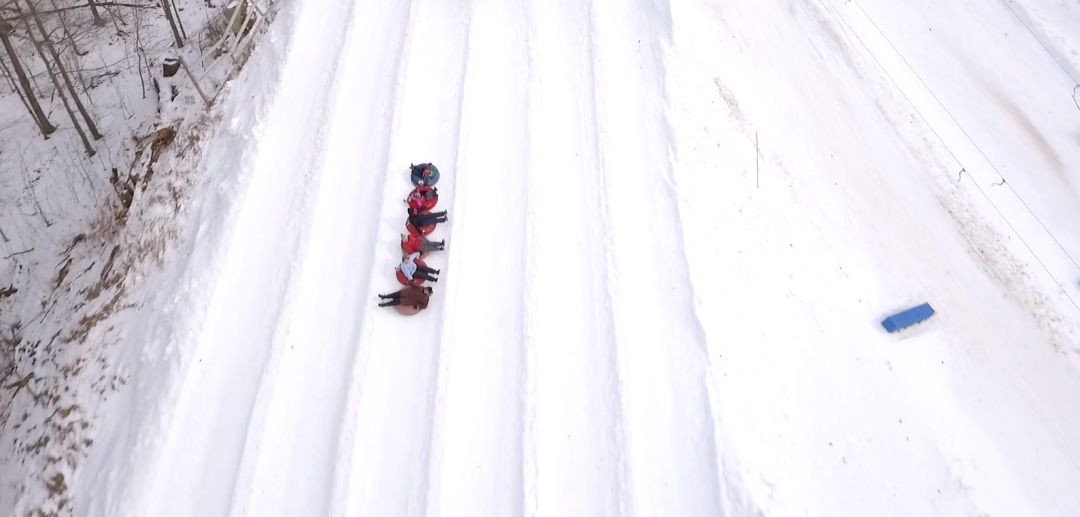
71,41
63,98
63,71
167,6
179,21
36,112
139,58
15,88
98,20
67,106
67,33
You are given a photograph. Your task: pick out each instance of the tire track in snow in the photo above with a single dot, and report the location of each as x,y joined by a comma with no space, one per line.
733,496
603,266
661,344
199,461
390,63
529,450
389,452
433,452
574,423
305,398
476,451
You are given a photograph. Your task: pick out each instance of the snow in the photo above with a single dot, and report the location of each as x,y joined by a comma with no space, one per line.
80,263
674,229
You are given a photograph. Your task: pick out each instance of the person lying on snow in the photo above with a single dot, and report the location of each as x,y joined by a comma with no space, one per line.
422,219
419,244
410,296
411,269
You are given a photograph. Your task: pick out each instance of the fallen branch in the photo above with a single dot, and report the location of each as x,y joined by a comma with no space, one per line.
20,384
18,253
83,6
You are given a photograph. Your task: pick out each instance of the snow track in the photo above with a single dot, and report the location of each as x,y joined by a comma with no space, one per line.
476,444
215,431
656,336
389,461
316,363
640,311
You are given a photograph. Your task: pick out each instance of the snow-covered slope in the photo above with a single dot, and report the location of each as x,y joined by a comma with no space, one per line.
673,231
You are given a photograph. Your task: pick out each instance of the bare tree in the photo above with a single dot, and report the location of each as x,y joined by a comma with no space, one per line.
63,71
94,5
36,112
98,20
15,87
60,92
167,6
70,37
179,21
67,106
140,57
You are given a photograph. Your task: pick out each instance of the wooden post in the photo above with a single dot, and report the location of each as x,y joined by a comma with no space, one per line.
194,81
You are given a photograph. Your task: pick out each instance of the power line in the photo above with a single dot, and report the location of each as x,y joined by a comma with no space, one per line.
956,158
1055,57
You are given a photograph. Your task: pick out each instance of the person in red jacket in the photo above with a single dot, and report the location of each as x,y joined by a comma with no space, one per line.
422,198
409,296
419,244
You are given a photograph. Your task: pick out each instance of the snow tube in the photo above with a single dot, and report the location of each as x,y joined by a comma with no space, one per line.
413,244
424,174
423,230
416,280
423,198
406,310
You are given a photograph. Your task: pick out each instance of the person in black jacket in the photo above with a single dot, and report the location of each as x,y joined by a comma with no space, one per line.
409,296
423,219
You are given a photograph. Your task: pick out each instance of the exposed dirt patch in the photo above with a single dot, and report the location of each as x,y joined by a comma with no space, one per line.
1016,280
729,99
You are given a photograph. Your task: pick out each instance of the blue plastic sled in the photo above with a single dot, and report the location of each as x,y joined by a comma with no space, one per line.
905,319
424,174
